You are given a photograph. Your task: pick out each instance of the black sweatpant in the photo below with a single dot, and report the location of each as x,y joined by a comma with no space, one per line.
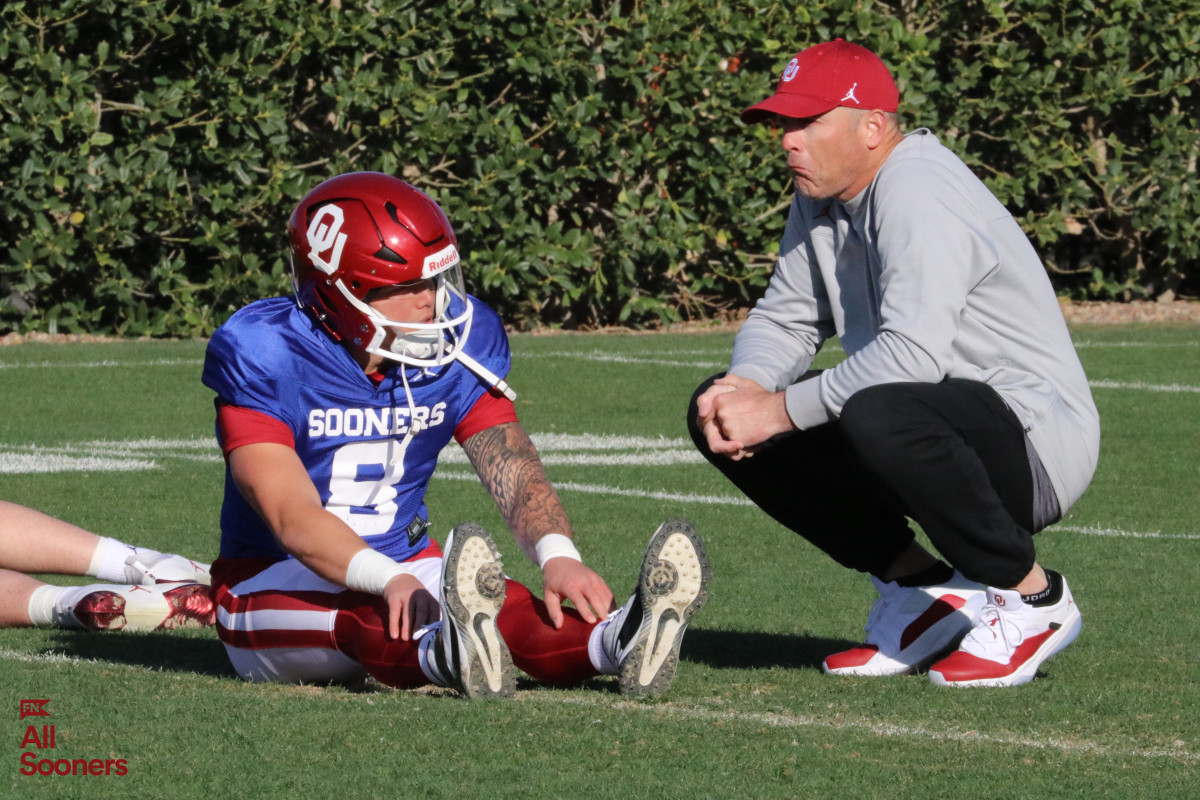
951,456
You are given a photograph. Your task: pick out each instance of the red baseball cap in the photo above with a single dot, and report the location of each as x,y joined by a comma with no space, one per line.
825,76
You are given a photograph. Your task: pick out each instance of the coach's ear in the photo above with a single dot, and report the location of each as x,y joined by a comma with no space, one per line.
873,128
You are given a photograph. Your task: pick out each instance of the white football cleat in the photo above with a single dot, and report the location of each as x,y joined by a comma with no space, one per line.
909,627
471,655
644,636
165,568
142,608
1010,641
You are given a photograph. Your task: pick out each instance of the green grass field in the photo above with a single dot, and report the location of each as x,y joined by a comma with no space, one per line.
118,438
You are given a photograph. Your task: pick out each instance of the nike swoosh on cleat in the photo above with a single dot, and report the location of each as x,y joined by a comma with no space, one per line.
665,631
486,650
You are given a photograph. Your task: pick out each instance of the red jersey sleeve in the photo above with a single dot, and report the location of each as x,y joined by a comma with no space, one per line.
490,409
238,426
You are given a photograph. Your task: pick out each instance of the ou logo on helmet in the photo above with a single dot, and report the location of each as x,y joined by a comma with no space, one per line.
324,235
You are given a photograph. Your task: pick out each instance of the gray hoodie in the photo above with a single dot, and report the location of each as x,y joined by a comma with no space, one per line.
923,276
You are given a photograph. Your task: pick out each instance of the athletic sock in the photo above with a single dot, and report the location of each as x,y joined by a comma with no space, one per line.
596,653
937,574
1048,596
108,560
52,605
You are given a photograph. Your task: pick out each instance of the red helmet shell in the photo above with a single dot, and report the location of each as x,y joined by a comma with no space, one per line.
365,230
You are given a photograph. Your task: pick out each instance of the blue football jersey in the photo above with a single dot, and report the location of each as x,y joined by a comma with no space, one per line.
271,357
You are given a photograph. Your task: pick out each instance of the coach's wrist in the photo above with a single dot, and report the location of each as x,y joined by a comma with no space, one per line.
555,545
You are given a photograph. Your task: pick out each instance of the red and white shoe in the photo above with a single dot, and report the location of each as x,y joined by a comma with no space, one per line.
165,568
1010,641
909,627
143,608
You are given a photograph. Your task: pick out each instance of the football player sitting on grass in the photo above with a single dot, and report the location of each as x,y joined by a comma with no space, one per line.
332,408
142,589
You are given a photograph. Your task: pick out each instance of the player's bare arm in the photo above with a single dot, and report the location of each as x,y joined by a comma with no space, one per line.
509,467
274,481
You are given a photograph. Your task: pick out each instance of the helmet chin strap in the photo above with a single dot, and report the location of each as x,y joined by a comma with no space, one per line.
485,373
428,347
423,345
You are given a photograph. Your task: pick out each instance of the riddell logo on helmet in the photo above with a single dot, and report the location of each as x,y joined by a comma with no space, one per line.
324,233
439,261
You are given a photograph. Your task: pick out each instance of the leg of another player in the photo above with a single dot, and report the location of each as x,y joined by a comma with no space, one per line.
31,541
26,601
15,591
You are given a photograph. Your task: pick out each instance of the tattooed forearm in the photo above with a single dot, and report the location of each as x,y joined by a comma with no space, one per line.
509,468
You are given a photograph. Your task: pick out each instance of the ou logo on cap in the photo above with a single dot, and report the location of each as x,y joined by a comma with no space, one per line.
791,69
323,235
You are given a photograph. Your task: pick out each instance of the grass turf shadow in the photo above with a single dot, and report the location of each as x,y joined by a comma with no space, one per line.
158,651
754,650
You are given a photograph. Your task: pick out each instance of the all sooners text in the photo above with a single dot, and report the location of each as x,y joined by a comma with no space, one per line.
31,764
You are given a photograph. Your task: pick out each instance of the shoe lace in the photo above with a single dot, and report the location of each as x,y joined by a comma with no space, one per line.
877,614
994,631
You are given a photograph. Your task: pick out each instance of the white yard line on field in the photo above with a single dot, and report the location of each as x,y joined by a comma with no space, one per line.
841,723
838,723
718,362
1096,530
557,450
615,358
156,362
723,364
1084,344
32,463
613,491
1142,387
733,500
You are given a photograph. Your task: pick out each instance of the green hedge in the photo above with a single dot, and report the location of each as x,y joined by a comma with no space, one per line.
588,152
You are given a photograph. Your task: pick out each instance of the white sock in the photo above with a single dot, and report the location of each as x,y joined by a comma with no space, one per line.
52,605
426,638
108,561
596,652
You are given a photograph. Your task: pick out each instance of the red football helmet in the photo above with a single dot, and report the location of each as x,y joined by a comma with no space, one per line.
365,230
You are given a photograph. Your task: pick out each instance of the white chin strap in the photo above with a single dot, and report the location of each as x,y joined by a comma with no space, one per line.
427,345
418,345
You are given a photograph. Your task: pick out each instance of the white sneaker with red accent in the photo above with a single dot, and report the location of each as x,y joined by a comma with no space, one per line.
1010,641
165,568
109,607
908,627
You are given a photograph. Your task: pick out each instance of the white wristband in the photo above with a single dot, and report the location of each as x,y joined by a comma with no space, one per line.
555,545
370,571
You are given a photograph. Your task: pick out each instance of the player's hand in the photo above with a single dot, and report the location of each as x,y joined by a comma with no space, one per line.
410,606
566,579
